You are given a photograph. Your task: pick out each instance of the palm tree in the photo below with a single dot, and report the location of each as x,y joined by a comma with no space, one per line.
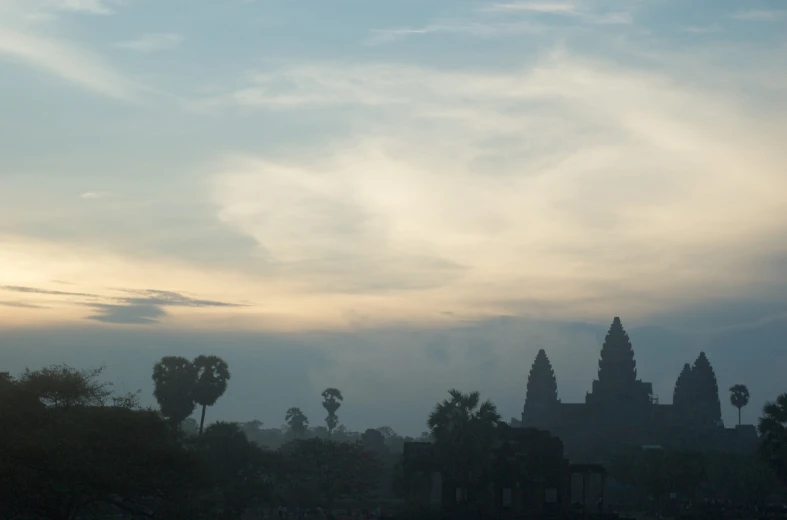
464,430
211,382
739,397
297,421
173,379
773,435
332,400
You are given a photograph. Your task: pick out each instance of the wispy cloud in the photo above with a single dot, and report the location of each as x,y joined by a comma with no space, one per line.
148,308
584,12
171,299
570,163
94,195
35,290
535,7
128,314
67,61
702,29
477,29
21,305
86,6
36,45
760,15
152,42
495,22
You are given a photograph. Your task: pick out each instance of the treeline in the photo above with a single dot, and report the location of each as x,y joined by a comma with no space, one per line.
70,448
664,478
181,386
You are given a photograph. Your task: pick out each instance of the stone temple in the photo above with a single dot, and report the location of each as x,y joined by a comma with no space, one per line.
620,409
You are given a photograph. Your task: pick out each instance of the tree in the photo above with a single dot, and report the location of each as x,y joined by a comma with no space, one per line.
297,421
374,441
212,375
174,378
65,453
541,383
464,430
773,434
739,397
387,431
243,473
332,400
61,386
331,470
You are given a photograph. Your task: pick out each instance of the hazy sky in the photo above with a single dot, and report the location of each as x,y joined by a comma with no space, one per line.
394,196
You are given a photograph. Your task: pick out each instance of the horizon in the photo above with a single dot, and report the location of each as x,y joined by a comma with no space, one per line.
394,199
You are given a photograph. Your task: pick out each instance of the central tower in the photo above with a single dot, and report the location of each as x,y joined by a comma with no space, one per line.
617,382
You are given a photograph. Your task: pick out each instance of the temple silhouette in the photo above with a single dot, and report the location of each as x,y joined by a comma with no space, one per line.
621,410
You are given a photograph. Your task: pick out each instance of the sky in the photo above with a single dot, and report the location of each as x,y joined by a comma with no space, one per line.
394,197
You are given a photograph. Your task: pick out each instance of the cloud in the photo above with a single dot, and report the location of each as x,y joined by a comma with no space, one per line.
21,305
69,62
148,308
93,195
585,12
702,29
640,184
128,314
172,299
152,42
24,40
536,7
145,307
33,290
496,22
477,29
759,15
86,6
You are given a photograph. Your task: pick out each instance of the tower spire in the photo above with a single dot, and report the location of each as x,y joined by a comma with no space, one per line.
541,384
617,367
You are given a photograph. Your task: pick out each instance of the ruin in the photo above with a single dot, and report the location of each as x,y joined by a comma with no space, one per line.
620,409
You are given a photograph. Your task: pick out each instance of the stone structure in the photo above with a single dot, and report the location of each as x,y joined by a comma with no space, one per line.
531,477
620,409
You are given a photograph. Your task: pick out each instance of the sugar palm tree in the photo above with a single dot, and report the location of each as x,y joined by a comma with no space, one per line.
297,421
464,429
173,379
332,400
211,382
739,397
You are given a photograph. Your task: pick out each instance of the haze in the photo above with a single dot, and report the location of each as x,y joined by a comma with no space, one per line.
395,197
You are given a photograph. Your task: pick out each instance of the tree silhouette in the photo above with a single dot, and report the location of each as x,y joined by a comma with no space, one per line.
212,375
705,392
464,431
374,441
297,421
63,387
773,434
332,470
174,379
241,470
65,453
332,400
541,383
739,397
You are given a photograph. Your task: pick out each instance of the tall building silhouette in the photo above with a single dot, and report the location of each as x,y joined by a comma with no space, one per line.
620,409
